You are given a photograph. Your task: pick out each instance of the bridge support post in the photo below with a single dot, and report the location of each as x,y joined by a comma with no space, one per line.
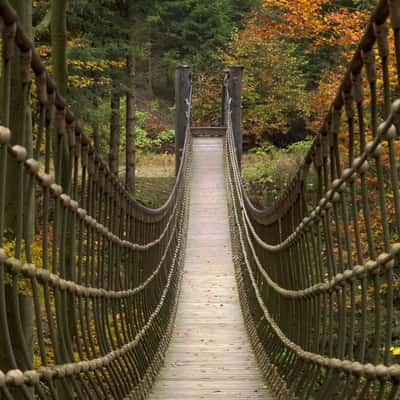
224,111
223,106
235,90
182,93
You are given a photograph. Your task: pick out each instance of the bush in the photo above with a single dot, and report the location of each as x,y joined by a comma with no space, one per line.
267,170
151,136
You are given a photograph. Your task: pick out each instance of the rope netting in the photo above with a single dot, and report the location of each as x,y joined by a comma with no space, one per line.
318,271
89,278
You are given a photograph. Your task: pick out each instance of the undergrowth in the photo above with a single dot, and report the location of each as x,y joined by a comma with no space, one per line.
267,170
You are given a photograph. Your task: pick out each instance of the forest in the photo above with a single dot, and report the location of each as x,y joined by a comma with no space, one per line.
111,56
115,61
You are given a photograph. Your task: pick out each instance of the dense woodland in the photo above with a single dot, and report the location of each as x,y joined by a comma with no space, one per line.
115,62
104,52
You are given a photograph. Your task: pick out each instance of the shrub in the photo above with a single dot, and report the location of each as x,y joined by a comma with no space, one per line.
267,170
151,136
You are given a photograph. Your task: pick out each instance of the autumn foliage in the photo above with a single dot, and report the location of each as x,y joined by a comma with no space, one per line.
294,53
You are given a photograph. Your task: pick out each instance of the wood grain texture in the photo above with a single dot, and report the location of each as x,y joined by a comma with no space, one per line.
210,355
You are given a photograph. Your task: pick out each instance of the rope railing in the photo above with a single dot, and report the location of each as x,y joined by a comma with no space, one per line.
89,278
318,271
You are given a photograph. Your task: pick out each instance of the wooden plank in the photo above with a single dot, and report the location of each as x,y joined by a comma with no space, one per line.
211,131
209,355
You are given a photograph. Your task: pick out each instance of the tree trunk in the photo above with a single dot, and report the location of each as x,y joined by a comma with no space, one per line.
19,306
150,71
59,43
130,109
96,130
96,138
130,128
59,60
115,132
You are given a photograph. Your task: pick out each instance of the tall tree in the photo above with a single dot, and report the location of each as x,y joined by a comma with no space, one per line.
130,104
115,131
19,207
59,43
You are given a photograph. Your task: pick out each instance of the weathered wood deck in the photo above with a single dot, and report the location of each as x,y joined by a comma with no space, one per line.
210,355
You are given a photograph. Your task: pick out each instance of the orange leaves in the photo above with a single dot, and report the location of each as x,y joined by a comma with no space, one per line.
43,51
320,22
296,19
294,50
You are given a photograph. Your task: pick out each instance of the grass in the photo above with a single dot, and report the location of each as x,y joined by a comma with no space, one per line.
267,171
155,177
153,192
155,165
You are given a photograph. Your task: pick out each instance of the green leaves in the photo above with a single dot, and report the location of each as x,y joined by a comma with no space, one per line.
274,88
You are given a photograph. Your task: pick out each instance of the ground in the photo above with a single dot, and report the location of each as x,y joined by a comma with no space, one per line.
155,177
265,171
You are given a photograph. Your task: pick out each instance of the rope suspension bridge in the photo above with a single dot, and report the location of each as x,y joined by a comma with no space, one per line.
317,273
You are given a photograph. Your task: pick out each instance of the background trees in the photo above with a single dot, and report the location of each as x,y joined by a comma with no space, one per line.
293,52
117,51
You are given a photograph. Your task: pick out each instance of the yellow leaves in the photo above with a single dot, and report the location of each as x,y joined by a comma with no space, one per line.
96,66
115,64
77,81
83,73
395,350
37,361
397,147
383,288
318,21
88,73
9,248
91,65
77,358
44,51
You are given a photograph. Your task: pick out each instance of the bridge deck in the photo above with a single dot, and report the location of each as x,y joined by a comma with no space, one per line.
209,355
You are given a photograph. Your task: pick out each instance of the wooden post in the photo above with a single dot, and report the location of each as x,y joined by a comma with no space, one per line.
224,99
235,90
223,105
182,93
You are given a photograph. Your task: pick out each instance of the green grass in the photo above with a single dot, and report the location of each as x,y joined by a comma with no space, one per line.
266,171
155,177
153,192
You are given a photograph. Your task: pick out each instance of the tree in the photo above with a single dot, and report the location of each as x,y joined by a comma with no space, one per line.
274,94
193,31
115,131
19,305
290,49
130,162
59,43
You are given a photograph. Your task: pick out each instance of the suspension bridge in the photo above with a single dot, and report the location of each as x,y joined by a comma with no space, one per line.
126,302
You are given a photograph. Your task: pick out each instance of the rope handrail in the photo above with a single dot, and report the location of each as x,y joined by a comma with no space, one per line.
318,271
383,260
48,94
353,368
89,277
47,180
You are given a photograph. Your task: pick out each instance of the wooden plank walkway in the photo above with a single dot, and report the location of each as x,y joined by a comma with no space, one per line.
210,355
